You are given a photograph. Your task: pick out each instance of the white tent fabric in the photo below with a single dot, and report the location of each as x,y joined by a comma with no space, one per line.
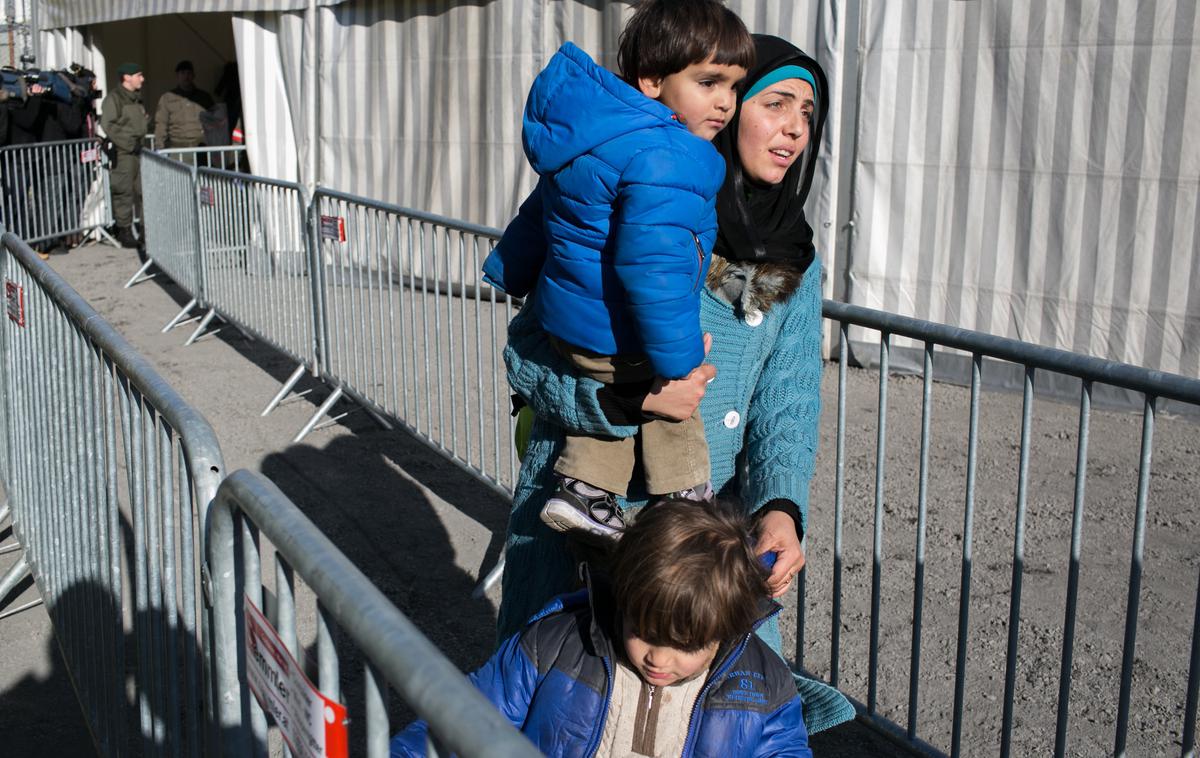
1022,170
420,103
1009,166
56,14
268,115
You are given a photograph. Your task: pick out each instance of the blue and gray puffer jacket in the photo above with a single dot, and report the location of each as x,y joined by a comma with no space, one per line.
617,234
554,679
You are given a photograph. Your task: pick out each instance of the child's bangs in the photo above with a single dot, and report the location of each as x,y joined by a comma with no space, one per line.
733,45
670,614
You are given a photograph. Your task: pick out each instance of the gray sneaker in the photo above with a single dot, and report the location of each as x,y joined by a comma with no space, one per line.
584,511
701,493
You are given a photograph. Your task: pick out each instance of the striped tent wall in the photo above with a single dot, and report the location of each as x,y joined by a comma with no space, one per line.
56,14
420,102
1021,169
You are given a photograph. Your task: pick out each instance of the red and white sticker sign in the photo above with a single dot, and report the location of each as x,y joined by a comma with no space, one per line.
207,196
15,295
333,228
89,155
313,725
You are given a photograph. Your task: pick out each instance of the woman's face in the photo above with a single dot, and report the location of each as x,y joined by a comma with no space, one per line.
773,129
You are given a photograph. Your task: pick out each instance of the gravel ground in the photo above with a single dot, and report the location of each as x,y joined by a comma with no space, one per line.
424,532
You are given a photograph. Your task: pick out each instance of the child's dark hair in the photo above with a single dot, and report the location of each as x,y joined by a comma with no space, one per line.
685,575
664,37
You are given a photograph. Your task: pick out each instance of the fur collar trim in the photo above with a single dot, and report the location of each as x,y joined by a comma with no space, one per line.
752,286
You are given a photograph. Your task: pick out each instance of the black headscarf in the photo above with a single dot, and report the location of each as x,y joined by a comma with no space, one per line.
759,223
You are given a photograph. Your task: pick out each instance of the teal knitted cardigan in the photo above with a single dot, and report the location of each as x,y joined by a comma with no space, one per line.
760,417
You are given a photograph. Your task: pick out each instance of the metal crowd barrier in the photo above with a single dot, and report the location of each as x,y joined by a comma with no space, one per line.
227,157
108,474
395,652
173,239
255,260
408,328
403,327
1151,384
54,189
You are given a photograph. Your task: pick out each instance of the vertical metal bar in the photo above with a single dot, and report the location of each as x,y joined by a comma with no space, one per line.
132,424
1135,577
462,333
1068,651
877,549
191,637
376,708
171,661
914,676
1014,611
389,296
425,333
327,657
480,407
497,404
964,603
835,626
285,606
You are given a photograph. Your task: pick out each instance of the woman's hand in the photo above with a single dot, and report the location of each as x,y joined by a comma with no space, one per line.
777,533
678,399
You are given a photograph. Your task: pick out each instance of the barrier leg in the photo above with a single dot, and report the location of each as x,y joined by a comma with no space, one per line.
325,406
490,580
175,321
14,577
204,322
138,278
284,390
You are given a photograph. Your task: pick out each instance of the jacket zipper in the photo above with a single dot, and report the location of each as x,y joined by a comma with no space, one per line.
728,664
594,747
699,261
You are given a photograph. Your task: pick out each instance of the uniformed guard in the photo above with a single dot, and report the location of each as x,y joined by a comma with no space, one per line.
124,120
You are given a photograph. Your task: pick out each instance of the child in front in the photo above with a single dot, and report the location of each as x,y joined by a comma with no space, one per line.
613,244
665,663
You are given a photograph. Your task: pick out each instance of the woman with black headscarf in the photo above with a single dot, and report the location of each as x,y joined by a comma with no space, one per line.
763,309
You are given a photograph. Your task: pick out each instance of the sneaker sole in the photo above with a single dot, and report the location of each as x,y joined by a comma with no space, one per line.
562,517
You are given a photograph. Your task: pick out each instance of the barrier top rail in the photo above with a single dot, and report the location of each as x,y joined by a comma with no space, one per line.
195,431
1156,383
451,223
255,178
457,712
52,143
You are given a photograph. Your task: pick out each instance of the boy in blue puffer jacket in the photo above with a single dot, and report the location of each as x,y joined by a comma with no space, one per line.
666,663
614,241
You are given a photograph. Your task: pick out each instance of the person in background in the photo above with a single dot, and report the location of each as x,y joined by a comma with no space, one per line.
177,118
123,118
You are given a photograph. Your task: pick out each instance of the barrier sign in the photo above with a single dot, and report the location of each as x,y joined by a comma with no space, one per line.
207,197
89,155
15,295
333,228
312,725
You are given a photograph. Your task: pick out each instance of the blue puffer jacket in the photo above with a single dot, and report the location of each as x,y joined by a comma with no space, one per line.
618,231
554,679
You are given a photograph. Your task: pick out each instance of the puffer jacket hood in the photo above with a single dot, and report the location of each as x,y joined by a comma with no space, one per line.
616,236
575,106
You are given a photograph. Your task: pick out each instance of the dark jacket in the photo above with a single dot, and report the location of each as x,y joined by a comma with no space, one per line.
124,119
553,681
618,231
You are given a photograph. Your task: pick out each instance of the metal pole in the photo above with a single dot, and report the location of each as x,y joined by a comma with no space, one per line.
312,71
